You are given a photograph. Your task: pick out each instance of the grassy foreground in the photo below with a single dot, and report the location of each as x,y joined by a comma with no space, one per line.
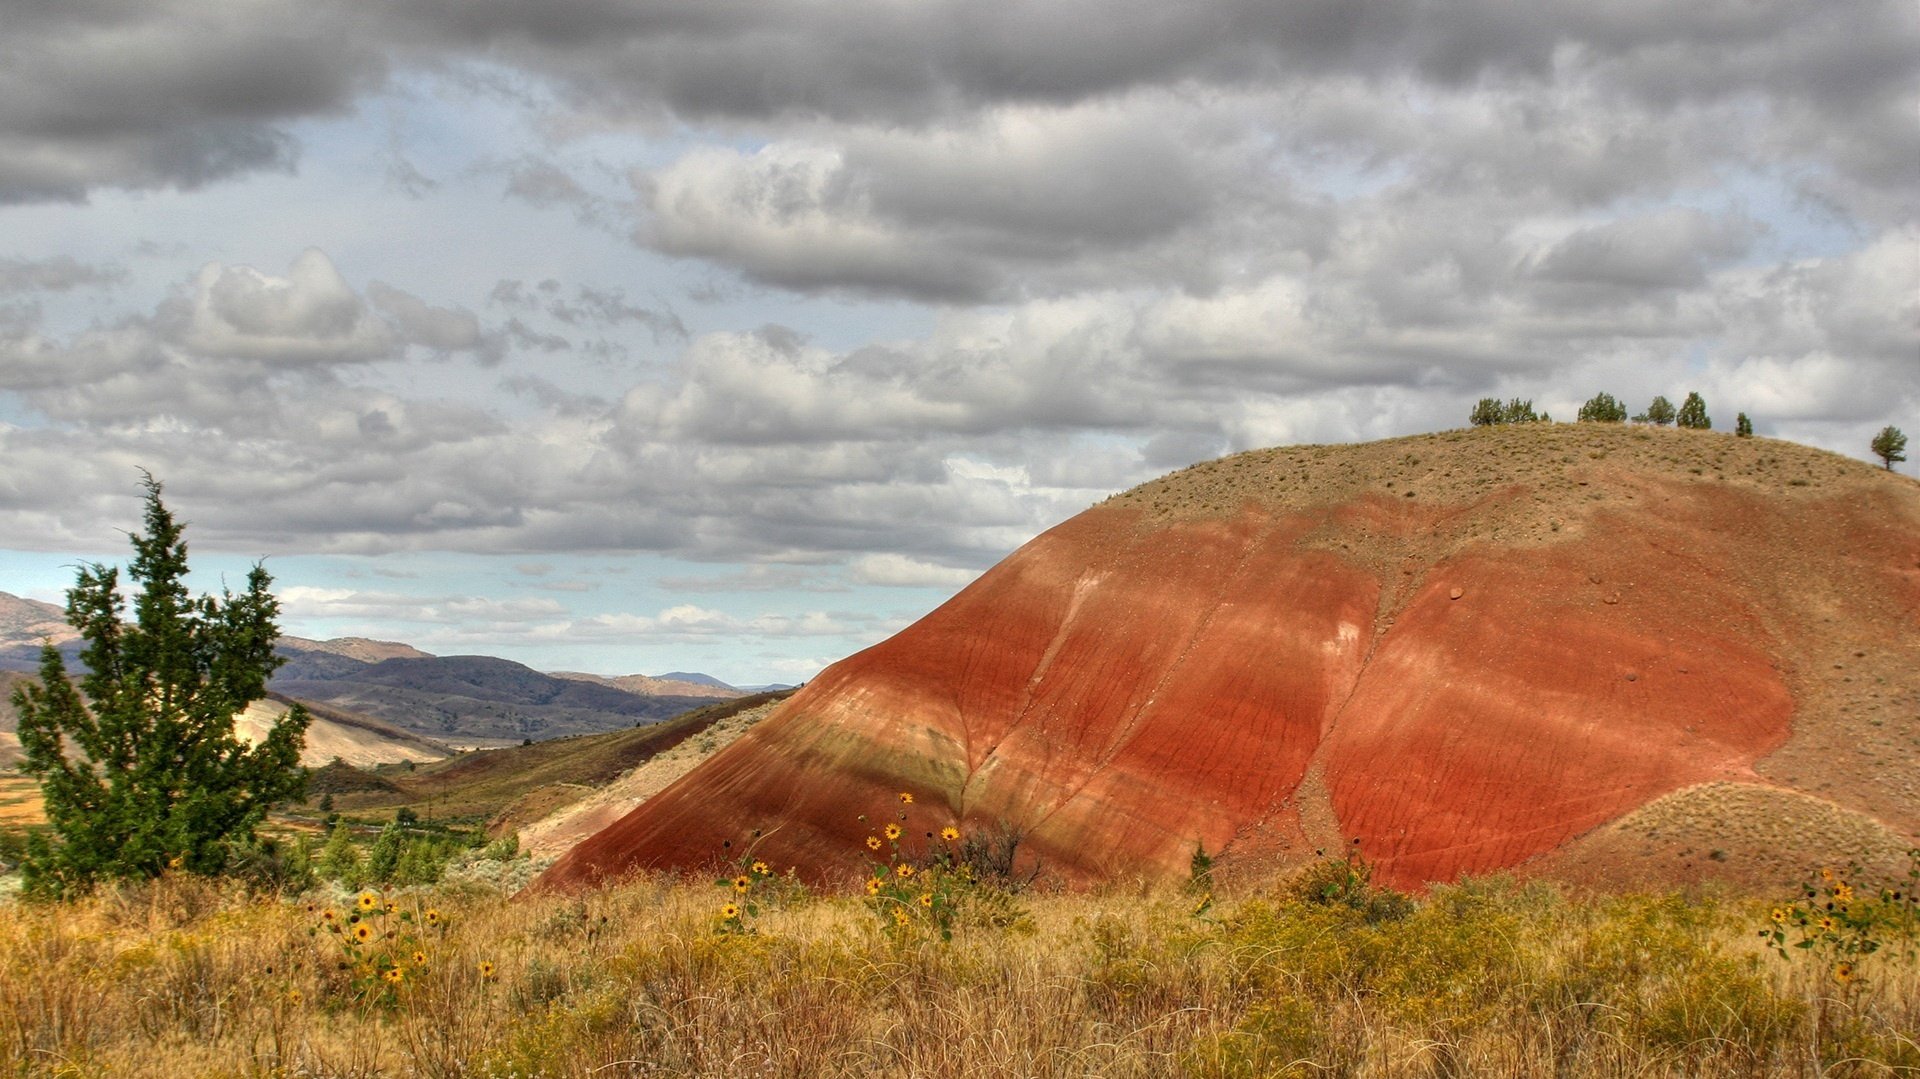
184,977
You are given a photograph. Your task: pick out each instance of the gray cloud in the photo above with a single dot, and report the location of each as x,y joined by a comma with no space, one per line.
126,93
1670,249
1146,233
61,273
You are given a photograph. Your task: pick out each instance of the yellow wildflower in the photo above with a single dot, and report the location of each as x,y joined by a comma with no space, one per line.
742,883
926,899
893,831
1779,915
730,911
394,975
904,870
432,916
486,970
363,932
368,900
873,885
949,833
899,916
906,799
1843,973
419,959
873,842
760,869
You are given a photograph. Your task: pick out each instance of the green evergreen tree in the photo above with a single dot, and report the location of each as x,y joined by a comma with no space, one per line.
1890,445
1603,408
340,859
384,859
1742,426
1693,414
1489,412
420,863
139,767
1659,412
1518,411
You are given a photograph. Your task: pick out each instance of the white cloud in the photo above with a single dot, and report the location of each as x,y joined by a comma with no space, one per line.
900,571
382,608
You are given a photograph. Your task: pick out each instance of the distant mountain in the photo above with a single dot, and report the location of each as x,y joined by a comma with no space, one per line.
471,700
663,686
363,649
333,732
29,621
697,679
464,700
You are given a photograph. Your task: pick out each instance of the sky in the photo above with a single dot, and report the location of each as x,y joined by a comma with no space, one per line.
631,336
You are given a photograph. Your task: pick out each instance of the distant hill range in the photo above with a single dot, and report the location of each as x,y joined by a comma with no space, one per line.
436,701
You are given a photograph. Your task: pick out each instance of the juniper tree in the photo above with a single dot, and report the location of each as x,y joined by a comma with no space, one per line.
1603,408
1659,412
1518,411
1489,412
1890,445
1742,426
139,766
1693,413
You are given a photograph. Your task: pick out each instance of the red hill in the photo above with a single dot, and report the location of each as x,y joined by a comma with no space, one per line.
1596,651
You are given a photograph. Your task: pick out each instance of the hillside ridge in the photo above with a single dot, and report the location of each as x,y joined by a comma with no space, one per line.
1469,650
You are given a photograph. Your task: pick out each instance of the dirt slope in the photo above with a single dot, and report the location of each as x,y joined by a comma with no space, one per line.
361,741
1470,651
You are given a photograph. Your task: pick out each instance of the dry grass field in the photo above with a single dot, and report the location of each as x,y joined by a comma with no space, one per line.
19,801
1318,976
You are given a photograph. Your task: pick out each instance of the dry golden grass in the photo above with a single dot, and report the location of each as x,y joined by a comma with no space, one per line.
19,801
183,978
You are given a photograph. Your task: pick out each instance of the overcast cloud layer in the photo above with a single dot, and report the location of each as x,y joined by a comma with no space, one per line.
792,301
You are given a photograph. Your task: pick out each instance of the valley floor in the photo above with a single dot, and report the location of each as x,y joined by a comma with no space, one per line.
760,977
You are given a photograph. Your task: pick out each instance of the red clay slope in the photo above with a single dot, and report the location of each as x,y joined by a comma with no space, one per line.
1463,678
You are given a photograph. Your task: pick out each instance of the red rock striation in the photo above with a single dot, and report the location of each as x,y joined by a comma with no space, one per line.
1461,681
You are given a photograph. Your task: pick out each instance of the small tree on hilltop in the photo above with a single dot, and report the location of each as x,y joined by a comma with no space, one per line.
1890,445
1518,411
1659,412
1693,414
1490,412
1603,408
1742,426
139,767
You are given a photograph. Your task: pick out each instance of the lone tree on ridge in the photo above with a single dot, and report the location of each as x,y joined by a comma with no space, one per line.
139,767
1693,413
1659,412
1890,445
1742,426
1489,412
1603,408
